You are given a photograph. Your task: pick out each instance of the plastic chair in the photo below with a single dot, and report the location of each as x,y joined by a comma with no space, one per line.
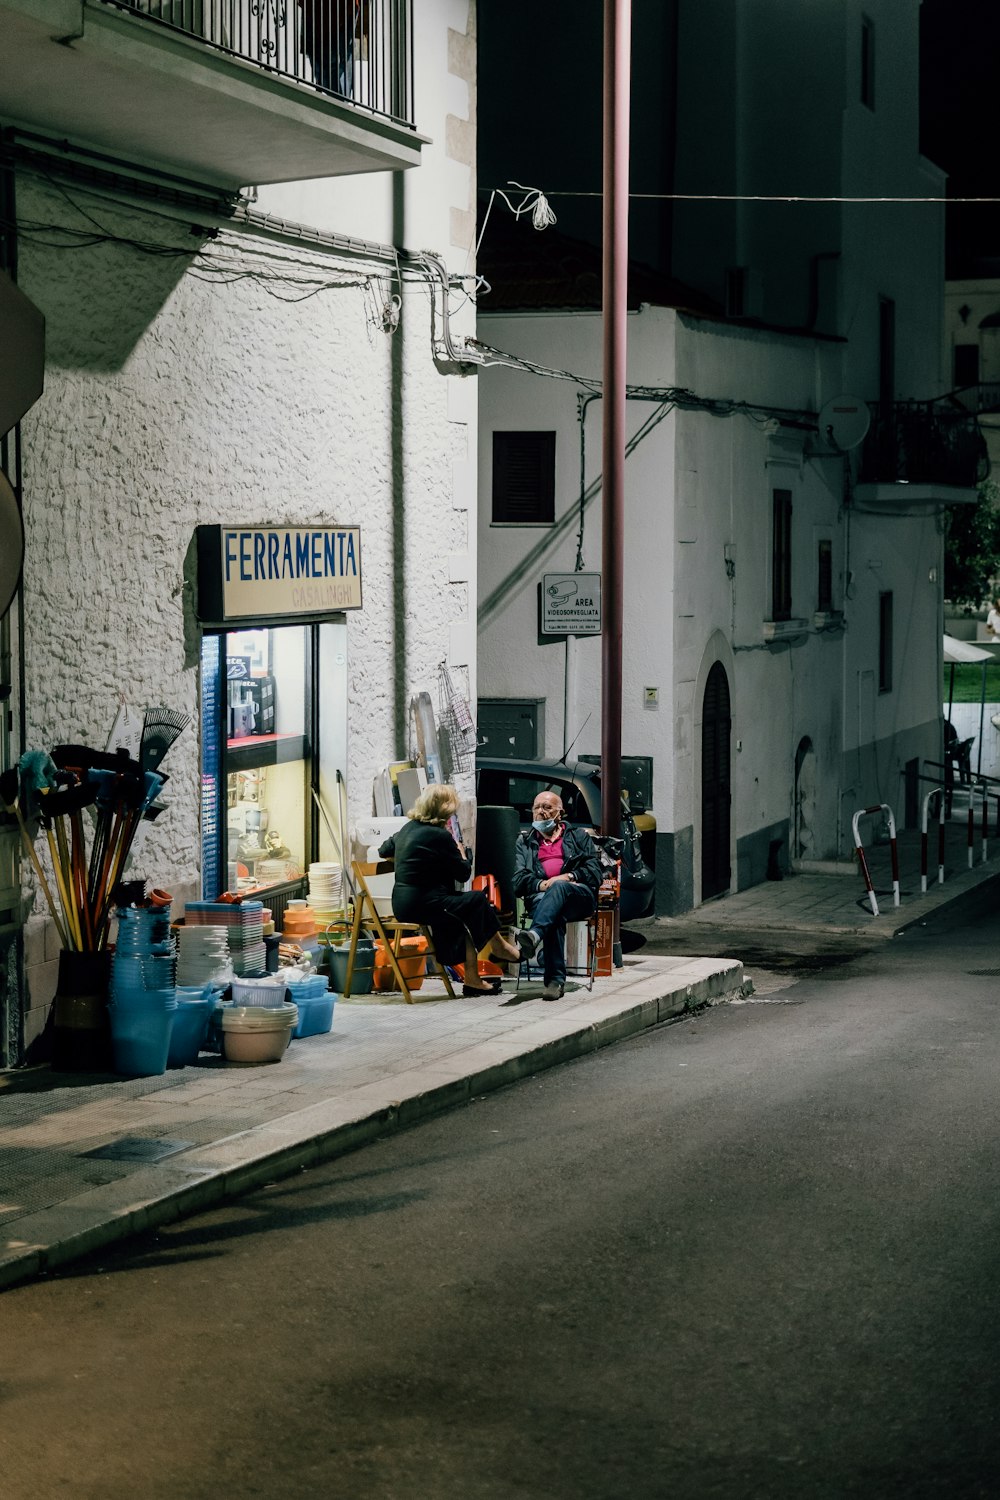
389,930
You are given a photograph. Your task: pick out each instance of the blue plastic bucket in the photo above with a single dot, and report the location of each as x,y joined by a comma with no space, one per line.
315,1011
140,1038
190,1029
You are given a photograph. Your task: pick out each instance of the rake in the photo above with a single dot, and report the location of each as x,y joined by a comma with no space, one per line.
160,727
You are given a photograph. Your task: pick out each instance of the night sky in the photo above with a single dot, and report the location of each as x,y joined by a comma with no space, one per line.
540,113
960,62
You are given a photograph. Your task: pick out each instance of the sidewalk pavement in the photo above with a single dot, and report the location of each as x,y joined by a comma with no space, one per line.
87,1159
829,901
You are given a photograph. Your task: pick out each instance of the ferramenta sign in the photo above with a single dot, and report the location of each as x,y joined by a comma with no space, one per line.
277,573
571,604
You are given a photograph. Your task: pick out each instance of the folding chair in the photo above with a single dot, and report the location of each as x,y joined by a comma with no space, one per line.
390,931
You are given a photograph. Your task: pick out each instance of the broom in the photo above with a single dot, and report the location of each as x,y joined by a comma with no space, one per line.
11,797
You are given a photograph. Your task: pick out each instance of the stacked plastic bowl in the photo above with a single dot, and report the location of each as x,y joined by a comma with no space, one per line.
143,1001
258,1025
314,1001
326,893
203,957
243,924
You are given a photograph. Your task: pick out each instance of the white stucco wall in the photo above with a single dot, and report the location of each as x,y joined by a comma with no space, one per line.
698,495
176,396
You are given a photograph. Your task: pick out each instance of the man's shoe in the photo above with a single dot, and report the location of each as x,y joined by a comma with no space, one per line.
553,992
529,943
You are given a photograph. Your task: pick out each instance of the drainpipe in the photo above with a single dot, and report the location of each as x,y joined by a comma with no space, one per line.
617,60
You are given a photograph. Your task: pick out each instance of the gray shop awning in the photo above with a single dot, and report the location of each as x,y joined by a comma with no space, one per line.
22,353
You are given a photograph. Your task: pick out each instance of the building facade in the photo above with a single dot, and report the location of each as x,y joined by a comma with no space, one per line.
209,205
787,467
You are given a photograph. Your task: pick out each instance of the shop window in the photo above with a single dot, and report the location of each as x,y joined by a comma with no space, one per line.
966,365
885,642
824,576
524,478
781,555
271,743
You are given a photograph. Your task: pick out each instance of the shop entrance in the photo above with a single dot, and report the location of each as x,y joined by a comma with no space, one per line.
715,784
273,741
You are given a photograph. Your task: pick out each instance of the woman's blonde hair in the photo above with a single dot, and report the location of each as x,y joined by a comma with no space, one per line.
435,804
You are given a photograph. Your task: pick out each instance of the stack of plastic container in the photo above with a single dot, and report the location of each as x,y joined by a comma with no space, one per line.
258,1025
143,1001
301,931
203,957
243,923
326,892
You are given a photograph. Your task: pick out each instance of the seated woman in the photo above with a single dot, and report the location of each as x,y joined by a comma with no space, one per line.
429,863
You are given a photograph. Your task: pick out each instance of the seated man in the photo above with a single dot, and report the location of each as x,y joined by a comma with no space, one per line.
557,873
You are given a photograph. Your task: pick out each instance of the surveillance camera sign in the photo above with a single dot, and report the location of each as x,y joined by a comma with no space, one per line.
571,604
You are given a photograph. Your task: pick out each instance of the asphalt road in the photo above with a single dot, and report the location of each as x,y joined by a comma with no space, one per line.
753,1254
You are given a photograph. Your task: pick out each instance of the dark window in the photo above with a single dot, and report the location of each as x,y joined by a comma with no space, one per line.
886,353
524,478
737,292
824,576
966,364
781,556
867,62
885,643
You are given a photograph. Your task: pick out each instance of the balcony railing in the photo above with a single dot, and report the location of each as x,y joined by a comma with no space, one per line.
914,442
356,50
983,398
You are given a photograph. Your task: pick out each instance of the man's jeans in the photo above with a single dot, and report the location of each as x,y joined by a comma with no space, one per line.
561,903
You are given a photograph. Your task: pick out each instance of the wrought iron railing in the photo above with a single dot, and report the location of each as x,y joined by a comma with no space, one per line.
358,50
917,443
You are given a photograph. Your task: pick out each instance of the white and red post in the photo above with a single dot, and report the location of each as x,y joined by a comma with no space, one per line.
865,812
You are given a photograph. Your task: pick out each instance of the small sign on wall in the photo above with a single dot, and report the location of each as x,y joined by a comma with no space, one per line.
571,604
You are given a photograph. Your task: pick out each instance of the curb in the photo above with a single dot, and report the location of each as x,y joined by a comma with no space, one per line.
208,1175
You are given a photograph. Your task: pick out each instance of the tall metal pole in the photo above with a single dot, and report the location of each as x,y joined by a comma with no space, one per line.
617,61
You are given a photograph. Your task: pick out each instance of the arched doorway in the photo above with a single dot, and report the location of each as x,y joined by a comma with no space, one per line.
715,788
804,839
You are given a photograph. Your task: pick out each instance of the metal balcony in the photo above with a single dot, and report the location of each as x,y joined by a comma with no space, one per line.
230,92
919,454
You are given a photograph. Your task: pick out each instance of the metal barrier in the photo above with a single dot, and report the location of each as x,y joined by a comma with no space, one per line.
937,791
865,812
984,792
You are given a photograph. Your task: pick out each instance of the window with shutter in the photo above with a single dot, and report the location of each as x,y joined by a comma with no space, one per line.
781,555
524,478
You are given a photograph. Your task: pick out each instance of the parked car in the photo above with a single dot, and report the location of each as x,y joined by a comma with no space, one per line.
503,782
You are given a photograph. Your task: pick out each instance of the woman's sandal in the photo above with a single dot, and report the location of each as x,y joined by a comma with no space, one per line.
492,987
508,953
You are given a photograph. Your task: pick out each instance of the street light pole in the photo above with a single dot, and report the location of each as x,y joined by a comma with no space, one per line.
617,62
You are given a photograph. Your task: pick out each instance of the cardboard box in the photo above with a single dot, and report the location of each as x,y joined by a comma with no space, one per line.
605,941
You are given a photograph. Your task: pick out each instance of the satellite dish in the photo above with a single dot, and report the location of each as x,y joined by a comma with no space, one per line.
11,543
844,422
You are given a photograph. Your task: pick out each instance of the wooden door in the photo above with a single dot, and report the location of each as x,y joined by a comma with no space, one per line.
715,784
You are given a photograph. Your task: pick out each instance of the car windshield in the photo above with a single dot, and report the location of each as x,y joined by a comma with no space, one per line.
503,789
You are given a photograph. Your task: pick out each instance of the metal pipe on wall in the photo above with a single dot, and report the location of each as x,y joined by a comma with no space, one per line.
617,61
